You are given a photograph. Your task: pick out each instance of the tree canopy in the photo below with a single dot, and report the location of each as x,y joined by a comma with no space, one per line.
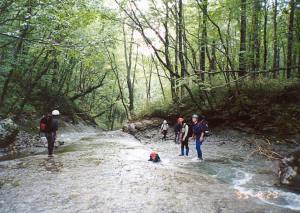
110,60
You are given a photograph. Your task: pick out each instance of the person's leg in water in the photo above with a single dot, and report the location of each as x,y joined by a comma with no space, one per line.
187,149
165,134
198,148
55,144
176,137
182,148
185,144
50,140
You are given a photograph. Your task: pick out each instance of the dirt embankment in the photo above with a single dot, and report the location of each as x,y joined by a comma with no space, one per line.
275,114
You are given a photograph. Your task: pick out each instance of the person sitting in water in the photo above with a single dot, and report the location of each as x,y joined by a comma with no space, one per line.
154,157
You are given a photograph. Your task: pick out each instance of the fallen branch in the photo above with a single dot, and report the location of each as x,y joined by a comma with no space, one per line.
265,150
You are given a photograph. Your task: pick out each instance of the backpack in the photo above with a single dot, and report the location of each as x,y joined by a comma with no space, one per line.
45,124
177,127
206,132
163,126
190,131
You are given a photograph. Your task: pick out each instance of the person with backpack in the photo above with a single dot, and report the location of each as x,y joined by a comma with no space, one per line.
164,129
199,129
49,126
177,129
184,139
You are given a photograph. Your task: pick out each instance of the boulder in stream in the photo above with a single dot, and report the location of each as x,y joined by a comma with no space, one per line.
290,170
134,127
8,132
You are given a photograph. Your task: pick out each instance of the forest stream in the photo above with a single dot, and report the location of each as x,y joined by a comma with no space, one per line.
109,172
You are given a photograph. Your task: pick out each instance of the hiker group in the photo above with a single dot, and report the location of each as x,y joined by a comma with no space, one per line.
197,129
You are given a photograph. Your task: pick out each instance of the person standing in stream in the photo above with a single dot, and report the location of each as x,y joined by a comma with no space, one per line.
177,130
199,129
51,129
184,139
164,129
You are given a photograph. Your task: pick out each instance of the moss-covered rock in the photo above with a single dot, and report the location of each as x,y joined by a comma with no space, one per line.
290,170
8,132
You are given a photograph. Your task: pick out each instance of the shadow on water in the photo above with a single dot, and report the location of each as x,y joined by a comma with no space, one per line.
52,165
84,144
14,156
80,147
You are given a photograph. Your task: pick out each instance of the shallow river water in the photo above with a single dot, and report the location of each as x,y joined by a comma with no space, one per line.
109,172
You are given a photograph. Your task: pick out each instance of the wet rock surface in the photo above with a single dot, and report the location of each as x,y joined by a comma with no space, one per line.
23,144
26,143
290,170
134,127
8,132
109,172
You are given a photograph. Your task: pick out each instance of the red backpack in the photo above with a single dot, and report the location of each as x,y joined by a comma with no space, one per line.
45,124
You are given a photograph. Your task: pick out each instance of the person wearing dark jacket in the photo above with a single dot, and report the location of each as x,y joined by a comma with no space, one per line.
177,130
199,129
52,127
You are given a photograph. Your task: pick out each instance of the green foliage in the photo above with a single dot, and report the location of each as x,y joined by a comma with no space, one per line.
156,109
55,54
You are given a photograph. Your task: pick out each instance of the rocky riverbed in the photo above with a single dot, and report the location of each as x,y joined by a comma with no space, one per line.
108,172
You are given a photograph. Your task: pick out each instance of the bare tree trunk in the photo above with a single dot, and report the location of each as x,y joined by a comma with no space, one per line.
298,38
159,79
203,41
265,37
149,84
114,68
112,118
275,53
256,36
176,40
213,66
128,61
290,40
243,28
167,56
180,41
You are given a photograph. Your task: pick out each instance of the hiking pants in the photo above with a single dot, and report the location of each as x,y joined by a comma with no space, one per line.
51,140
165,134
177,137
185,143
198,147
